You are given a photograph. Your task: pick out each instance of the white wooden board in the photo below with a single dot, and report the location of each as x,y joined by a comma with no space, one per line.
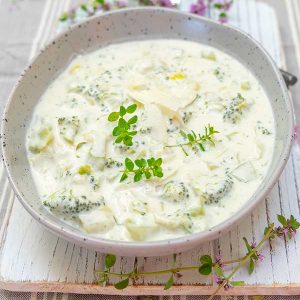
33,259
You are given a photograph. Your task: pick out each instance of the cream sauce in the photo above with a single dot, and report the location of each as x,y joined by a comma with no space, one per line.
177,86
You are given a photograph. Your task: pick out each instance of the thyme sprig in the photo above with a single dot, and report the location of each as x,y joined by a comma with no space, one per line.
197,141
144,167
207,265
123,132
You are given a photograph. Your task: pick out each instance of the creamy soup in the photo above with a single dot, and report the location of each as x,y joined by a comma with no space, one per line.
150,140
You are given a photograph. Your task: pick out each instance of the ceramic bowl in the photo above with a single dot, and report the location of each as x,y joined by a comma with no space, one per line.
125,25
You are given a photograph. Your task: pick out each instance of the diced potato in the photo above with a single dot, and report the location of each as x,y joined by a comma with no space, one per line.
97,221
140,229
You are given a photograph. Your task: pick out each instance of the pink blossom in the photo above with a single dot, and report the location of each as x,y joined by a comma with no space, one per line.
296,132
199,8
121,3
165,3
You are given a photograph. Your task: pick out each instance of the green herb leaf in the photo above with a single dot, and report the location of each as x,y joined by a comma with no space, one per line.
237,283
123,284
129,164
218,270
205,269
169,283
282,220
206,259
251,266
131,108
144,167
114,116
249,248
122,111
122,131
197,141
110,260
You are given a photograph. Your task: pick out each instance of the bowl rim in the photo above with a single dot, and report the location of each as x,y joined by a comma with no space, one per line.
167,245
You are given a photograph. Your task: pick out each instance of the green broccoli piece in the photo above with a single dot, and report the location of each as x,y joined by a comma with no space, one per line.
67,203
175,191
215,195
234,109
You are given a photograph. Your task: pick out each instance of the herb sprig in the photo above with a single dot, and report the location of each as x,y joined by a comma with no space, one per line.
144,167
207,265
122,131
197,141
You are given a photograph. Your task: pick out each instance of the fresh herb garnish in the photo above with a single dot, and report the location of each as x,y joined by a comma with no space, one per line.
148,168
123,132
197,141
223,271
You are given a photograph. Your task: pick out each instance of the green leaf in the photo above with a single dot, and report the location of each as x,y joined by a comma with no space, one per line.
237,283
122,111
190,137
132,120
183,134
206,259
129,164
148,174
294,223
251,266
282,220
201,147
123,284
205,269
132,133
158,162
64,17
122,123
169,283
249,248
110,260
123,177
119,139
117,131
131,108
137,177
114,116
128,140
218,271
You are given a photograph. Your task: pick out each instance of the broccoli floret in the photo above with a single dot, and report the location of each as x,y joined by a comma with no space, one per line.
68,204
175,191
68,128
215,195
235,108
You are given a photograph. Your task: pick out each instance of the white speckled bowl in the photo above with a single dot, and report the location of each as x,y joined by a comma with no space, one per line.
124,25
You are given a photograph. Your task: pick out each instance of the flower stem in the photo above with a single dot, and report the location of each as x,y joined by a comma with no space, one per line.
243,261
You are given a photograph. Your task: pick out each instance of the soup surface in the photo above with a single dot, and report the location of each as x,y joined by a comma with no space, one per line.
150,140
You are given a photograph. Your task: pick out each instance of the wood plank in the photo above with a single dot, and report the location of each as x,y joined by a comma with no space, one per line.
139,290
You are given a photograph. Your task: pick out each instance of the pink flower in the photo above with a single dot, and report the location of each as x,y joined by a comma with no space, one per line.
199,8
296,132
165,3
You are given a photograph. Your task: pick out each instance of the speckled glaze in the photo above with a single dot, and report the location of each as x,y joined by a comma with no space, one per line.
124,25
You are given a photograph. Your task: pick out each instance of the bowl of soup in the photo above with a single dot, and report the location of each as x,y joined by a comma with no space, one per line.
146,131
